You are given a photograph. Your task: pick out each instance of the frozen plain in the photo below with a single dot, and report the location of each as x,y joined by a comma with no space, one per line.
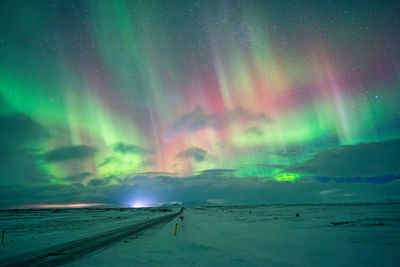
270,235
35,229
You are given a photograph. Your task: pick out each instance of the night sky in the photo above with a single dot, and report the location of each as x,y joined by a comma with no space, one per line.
144,102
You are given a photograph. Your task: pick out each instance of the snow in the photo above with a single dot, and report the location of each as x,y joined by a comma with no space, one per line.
35,229
270,235
265,236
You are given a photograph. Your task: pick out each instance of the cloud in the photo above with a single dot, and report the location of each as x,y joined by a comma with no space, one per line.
120,160
18,130
375,179
120,165
199,119
155,174
126,160
97,182
69,153
293,150
20,195
199,189
217,172
196,120
80,177
107,160
240,113
194,153
130,149
272,166
20,140
360,160
148,162
254,131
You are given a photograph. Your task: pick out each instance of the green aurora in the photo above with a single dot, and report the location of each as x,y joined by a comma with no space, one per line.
105,90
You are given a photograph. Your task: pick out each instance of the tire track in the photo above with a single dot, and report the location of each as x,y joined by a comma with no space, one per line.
67,252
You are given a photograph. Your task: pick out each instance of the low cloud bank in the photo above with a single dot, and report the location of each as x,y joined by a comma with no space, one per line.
201,188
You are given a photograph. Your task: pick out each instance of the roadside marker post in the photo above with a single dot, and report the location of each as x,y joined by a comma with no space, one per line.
176,228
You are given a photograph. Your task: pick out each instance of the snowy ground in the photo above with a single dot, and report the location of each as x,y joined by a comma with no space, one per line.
367,235
35,229
362,235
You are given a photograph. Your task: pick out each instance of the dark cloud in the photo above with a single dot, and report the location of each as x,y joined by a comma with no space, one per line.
194,153
375,179
196,120
148,162
217,172
18,130
80,177
69,153
254,131
120,159
130,149
272,166
291,152
20,195
97,182
107,160
305,149
240,113
123,149
202,188
199,119
20,140
154,174
360,160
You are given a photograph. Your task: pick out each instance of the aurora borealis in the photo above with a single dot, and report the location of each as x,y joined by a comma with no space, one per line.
104,93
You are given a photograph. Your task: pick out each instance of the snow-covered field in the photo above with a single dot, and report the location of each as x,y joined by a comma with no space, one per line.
35,229
272,235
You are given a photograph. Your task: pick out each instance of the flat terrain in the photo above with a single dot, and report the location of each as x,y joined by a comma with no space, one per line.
37,229
269,235
70,251
364,235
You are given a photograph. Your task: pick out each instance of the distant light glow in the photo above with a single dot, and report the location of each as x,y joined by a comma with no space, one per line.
142,202
51,206
140,205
